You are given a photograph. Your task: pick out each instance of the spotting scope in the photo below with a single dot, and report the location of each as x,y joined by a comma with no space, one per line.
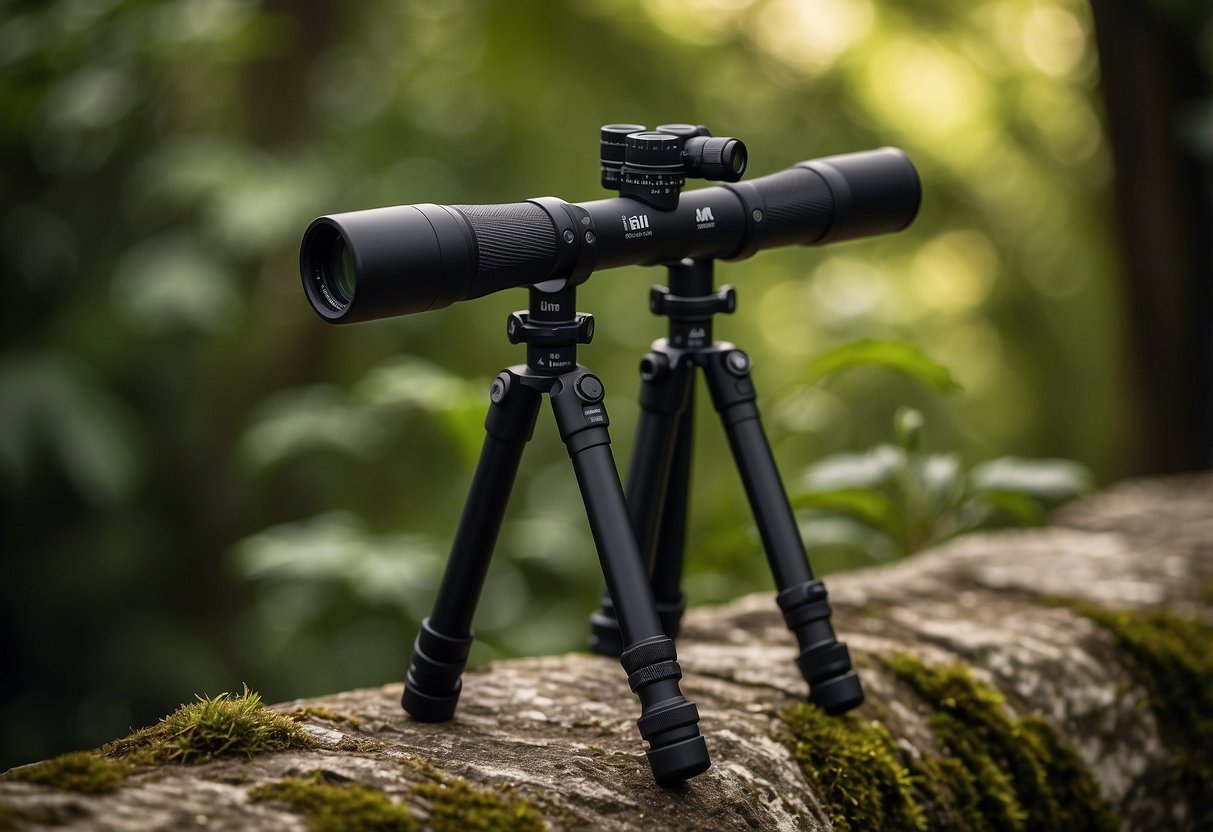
378,263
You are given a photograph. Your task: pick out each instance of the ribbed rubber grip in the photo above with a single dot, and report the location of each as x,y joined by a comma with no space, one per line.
798,206
515,243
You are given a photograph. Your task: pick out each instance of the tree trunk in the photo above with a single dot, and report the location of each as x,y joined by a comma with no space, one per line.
553,740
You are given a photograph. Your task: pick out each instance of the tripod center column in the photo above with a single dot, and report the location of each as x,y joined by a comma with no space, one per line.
551,330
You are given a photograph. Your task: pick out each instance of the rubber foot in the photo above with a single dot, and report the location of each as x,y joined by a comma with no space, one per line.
427,708
672,764
837,695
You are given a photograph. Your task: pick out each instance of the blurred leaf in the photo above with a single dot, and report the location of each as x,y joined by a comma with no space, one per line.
306,419
907,427
835,542
869,506
940,478
172,282
1048,480
871,469
55,402
1025,510
904,358
337,548
410,383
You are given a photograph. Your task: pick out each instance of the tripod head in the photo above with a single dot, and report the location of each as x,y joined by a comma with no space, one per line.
653,166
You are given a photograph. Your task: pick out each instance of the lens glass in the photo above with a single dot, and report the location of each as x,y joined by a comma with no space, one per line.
342,276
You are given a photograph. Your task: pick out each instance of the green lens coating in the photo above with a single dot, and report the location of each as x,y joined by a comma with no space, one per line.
342,272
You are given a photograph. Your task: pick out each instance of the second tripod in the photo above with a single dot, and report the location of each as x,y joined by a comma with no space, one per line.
658,483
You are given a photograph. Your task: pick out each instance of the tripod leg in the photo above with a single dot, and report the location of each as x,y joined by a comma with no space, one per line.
824,662
666,577
667,721
432,684
664,395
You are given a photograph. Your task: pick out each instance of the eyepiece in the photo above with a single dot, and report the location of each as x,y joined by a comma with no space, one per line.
717,159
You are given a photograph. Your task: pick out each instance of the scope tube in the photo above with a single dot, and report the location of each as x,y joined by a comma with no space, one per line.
383,262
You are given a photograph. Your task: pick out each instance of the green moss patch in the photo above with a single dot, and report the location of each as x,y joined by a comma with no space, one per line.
988,771
86,772
1006,773
1171,656
855,769
222,726
440,804
327,714
456,806
333,807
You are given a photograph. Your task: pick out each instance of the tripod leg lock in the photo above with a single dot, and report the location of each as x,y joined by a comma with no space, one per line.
433,684
605,637
824,662
667,721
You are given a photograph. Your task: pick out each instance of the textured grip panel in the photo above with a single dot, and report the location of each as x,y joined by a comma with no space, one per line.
799,206
514,240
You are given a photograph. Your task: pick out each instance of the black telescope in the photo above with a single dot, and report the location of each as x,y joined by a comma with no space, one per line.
383,262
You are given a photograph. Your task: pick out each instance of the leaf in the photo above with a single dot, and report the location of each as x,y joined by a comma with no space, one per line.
308,418
1022,508
905,358
54,401
1049,480
869,506
875,468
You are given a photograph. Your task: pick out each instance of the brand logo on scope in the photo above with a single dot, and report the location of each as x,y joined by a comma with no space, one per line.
704,218
636,225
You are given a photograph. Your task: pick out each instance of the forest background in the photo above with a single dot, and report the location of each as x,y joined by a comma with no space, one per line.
204,485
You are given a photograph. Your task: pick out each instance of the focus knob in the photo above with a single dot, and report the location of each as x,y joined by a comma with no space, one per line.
653,150
652,170
612,150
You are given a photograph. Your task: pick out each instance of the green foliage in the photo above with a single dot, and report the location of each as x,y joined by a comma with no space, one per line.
86,772
222,726
908,359
917,499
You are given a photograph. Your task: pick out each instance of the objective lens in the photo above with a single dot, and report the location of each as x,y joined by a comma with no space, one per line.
342,276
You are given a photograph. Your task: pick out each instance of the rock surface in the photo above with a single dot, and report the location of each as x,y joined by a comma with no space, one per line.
560,731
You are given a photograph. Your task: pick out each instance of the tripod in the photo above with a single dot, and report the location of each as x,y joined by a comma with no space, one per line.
659,483
551,329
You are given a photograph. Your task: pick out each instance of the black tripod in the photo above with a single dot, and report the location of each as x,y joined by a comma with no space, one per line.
659,481
551,330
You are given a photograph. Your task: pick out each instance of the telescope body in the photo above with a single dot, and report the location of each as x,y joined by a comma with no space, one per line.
405,259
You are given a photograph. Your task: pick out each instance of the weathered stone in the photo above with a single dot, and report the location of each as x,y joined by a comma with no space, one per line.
558,733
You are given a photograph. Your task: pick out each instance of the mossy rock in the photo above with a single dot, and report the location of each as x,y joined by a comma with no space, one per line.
441,804
86,772
989,770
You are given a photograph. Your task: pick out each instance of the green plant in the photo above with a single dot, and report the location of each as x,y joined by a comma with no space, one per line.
896,498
